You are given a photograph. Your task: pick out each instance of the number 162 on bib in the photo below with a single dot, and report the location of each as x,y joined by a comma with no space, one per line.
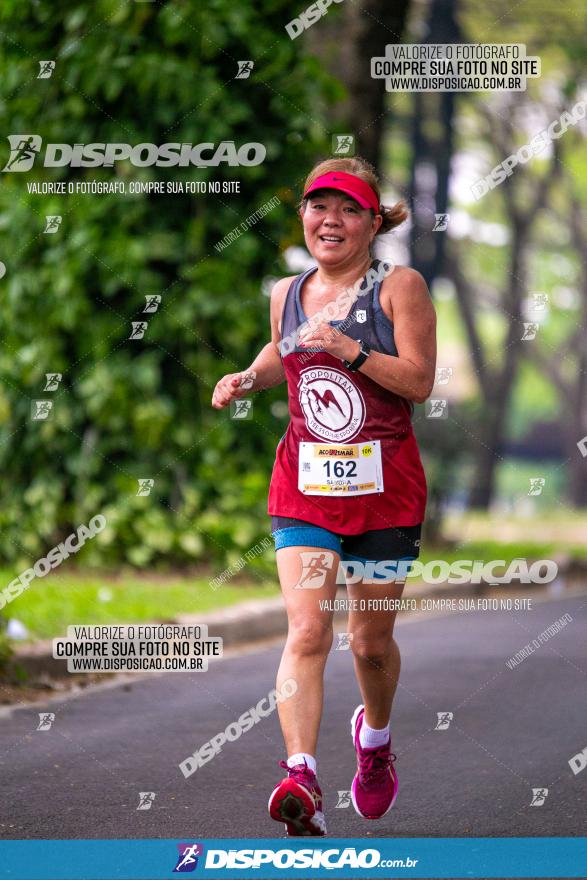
340,469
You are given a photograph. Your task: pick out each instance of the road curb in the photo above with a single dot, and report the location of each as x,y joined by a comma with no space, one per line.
244,623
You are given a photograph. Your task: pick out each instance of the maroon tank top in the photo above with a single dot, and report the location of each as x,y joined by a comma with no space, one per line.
329,404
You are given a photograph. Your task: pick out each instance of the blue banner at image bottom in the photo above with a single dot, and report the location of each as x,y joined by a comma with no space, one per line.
438,857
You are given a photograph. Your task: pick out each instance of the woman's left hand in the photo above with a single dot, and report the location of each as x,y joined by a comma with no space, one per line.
329,339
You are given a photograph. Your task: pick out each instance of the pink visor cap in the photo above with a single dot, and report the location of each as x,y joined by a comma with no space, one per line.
353,186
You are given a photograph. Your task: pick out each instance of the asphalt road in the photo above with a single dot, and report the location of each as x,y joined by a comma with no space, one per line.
512,731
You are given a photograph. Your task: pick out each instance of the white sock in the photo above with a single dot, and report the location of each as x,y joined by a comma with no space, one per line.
299,759
371,738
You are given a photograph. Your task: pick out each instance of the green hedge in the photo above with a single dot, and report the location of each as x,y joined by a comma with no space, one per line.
130,409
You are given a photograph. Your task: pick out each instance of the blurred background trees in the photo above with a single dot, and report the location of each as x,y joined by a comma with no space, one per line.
139,409
129,409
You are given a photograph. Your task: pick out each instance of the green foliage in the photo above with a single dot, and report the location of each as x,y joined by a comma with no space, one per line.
79,597
6,652
134,73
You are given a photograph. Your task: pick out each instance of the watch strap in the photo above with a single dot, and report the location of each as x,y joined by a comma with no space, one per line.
365,350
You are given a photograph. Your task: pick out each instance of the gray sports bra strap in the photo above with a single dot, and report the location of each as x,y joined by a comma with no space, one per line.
291,318
377,286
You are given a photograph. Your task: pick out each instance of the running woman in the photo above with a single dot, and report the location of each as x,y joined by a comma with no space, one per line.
356,341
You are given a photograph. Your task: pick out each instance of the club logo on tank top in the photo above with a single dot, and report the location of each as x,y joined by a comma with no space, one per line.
332,405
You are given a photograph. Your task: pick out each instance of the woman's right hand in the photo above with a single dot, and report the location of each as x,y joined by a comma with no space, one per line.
233,386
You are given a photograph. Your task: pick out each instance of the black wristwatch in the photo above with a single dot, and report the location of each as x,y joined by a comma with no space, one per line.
361,357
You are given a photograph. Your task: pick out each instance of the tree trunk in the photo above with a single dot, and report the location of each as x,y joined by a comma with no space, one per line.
482,488
346,43
577,429
498,401
426,245
373,24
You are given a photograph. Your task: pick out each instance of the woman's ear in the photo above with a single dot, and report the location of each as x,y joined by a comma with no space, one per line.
377,221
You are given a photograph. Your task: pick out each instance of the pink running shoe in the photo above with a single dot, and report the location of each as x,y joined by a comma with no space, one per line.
375,785
297,801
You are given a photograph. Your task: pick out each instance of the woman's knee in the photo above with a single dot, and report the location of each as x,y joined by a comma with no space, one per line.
310,636
372,647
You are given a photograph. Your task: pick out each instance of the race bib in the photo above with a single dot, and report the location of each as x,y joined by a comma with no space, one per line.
340,469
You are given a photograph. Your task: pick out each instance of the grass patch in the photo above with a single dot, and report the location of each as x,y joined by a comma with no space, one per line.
562,531
57,601
85,597
487,550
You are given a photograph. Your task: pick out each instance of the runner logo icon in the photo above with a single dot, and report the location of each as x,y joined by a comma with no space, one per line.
539,795
187,860
444,719
46,719
344,800
23,150
314,569
332,405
